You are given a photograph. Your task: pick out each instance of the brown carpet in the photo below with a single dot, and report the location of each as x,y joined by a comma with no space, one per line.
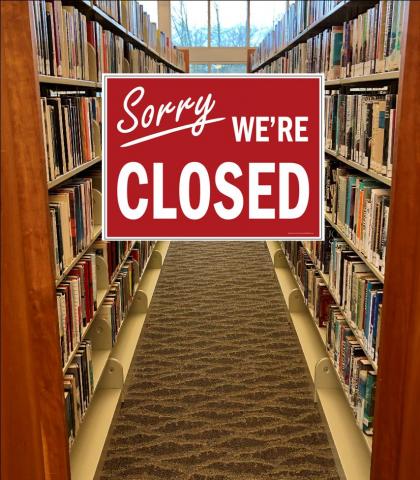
218,388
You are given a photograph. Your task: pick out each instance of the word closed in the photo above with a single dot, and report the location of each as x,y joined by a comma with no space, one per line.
212,157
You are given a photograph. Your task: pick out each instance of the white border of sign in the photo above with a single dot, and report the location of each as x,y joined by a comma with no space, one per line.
319,76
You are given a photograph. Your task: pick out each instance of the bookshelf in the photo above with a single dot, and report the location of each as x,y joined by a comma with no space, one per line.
330,391
36,421
93,12
341,12
110,367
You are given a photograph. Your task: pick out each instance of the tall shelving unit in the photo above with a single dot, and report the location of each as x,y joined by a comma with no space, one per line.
353,448
39,417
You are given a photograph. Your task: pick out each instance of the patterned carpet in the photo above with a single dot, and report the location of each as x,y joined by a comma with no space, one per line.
218,388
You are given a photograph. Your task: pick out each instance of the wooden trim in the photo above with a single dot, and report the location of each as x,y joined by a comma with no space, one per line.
186,53
249,53
34,444
397,420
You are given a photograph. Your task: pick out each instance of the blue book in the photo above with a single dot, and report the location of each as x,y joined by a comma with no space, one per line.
372,285
374,330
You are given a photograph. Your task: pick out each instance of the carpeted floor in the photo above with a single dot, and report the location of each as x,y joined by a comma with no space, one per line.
218,388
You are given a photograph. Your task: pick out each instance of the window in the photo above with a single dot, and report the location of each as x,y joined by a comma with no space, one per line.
228,68
223,23
228,23
151,7
189,23
199,68
217,68
263,17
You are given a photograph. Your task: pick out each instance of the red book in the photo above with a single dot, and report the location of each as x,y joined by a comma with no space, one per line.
325,300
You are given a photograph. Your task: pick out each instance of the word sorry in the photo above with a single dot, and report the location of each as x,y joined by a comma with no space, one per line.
255,191
201,108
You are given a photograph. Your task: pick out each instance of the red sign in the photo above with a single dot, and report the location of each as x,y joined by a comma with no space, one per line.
212,157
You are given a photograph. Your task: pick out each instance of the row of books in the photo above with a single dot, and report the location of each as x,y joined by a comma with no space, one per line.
360,126
121,293
298,16
359,205
133,17
68,127
139,61
78,388
71,213
77,295
344,280
62,45
146,248
345,345
358,292
69,45
113,253
76,304
78,377
313,287
355,371
367,44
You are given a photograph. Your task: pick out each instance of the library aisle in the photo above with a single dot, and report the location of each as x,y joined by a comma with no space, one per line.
130,356
218,387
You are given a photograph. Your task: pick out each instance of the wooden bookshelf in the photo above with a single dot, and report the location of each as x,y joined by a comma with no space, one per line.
340,13
361,168
33,413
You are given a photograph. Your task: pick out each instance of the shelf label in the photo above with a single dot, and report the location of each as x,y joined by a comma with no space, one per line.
212,157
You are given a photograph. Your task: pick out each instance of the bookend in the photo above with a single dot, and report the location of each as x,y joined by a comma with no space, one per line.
93,75
97,207
126,66
102,278
140,302
97,138
100,335
295,301
156,259
113,375
279,259
325,376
